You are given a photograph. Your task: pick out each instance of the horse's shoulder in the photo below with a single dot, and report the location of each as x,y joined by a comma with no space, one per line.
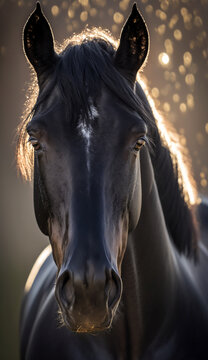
39,285
39,266
40,280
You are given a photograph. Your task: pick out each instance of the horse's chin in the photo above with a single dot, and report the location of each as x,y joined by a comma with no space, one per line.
87,325
91,329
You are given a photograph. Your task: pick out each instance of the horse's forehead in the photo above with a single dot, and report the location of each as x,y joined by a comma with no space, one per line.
86,121
95,109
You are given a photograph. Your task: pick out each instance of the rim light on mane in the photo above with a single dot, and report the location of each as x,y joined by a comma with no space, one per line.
171,140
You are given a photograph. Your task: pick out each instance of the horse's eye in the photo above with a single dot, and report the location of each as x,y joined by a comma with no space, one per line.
140,142
34,142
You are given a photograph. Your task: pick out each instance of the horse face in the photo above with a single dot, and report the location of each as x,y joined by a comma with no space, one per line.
89,176
87,188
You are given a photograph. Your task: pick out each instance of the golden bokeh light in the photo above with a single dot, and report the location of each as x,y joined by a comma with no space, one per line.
84,16
168,46
118,18
187,58
203,182
177,34
123,5
155,92
161,29
20,3
149,9
204,53
183,141
184,11
93,12
164,5
166,107
190,79
182,69
163,58
55,10
176,98
183,107
161,14
187,18
84,2
173,21
190,101
75,5
71,13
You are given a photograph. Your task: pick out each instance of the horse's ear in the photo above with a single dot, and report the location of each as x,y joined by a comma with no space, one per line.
38,42
133,48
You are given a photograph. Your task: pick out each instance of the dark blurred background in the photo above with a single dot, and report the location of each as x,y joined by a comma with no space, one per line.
176,74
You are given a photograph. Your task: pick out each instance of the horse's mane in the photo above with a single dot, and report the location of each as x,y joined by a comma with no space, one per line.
88,57
175,183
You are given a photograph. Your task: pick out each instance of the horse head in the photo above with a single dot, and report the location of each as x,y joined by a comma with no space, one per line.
87,135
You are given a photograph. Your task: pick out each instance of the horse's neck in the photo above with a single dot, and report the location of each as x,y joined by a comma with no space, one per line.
149,270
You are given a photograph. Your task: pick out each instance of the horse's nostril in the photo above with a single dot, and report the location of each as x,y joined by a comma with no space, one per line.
113,288
65,289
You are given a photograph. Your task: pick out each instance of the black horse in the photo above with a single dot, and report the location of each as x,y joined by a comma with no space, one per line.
127,276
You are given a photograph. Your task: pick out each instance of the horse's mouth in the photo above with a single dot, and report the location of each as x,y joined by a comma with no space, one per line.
86,325
91,329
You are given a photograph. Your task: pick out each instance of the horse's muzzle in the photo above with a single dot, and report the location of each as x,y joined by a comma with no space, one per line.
88,299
